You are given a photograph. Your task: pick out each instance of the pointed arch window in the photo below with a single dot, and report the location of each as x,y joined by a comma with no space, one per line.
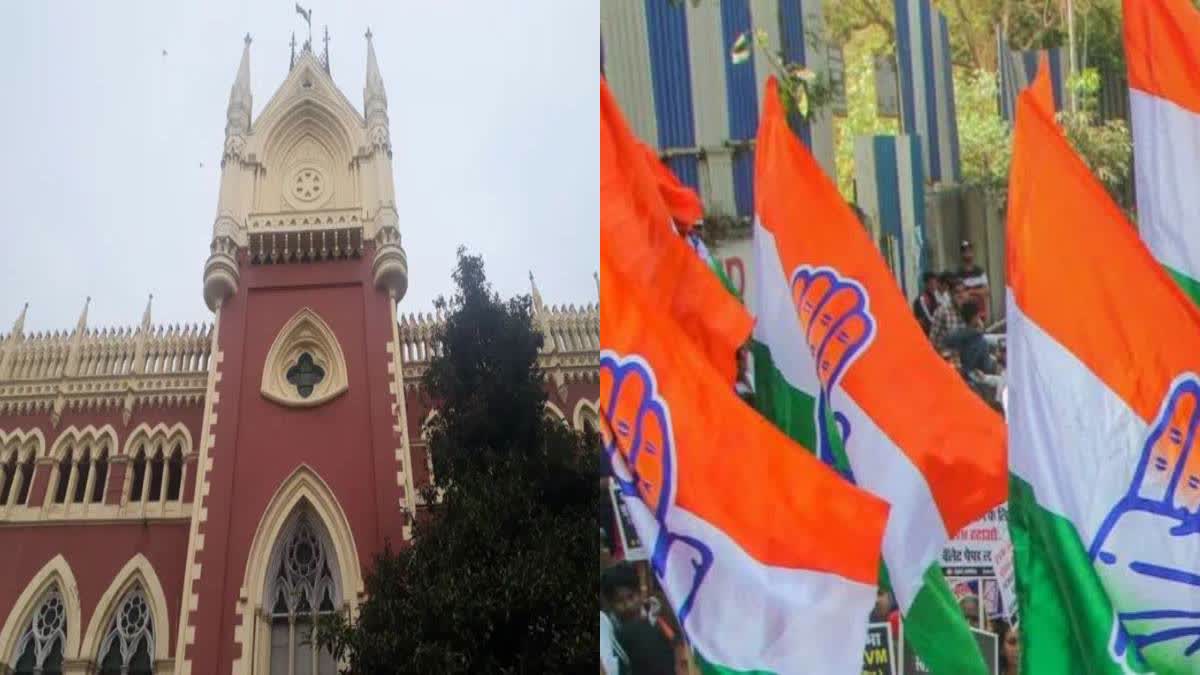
64,477
174,474
301,587
139,476
157,471
101,480
24,480
156,477
40,648
8,478
127,648
83,470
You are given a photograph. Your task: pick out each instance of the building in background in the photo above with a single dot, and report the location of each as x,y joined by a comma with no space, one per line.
190,499
668,64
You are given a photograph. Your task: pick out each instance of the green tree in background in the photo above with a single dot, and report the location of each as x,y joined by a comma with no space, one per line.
861,119
866,28
1028,24
985,146
500,577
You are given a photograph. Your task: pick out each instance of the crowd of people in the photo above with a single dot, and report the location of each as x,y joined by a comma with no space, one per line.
953,309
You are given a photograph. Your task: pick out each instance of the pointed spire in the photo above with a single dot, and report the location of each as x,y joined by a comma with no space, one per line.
373,90
596,276
325,57
81,325
18,329
146,314
240,98
537,296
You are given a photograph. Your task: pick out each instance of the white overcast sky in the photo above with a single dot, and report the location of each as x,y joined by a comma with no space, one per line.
102,141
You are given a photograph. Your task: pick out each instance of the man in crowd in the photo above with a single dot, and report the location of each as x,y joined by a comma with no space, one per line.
974,352
640,644
945,283
974,278
947,318
926,303
969,604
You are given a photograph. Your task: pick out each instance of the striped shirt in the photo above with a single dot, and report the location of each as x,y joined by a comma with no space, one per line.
946,320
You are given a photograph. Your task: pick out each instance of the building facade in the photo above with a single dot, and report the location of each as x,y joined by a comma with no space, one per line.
189,499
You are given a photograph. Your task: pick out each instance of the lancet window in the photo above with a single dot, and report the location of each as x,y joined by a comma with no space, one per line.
40,648
300,588
129,643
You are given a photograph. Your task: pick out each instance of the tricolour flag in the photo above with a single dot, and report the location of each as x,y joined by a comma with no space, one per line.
655,259
839,354
1162,50
767,556
1103,410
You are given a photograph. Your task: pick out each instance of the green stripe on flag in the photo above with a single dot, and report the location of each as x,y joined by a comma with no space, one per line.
719,270
1066,616
1190,286
934,623
938,632
789,408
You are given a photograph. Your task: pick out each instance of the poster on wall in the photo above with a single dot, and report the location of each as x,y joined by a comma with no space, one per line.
977,563
630,543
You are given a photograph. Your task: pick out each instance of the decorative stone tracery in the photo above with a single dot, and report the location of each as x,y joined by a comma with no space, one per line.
129,645
305,365
40,649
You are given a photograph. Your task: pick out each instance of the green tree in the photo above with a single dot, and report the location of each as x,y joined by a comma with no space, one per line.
1106,146
499,576
985,144
861,119
1028,24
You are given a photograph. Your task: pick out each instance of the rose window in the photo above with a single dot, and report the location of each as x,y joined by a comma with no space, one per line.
308,185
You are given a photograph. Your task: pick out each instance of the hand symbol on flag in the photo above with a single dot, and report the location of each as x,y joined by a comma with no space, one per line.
638,440
837,324
1147,549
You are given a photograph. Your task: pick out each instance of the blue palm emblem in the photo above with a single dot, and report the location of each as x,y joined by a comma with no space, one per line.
640,445
838,326
1146,548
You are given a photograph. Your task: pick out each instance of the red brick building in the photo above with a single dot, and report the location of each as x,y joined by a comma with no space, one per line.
188,499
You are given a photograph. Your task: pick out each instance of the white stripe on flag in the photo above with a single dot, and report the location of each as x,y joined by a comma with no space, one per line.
915,532
1066,428
1166,138
756,617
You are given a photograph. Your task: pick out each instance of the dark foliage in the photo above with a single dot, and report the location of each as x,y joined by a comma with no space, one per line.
500,574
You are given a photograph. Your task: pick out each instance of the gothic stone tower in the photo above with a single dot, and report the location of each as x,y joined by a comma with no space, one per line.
186,499
304,466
